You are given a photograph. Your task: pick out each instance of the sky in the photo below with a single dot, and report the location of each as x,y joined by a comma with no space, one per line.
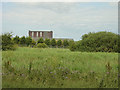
65,19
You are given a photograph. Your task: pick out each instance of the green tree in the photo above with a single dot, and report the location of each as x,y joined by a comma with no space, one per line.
53,42
7,43
28,41
71,42
73,47
47,42
33,42
40,40
23,40
16,39
98,42
59,43
65,43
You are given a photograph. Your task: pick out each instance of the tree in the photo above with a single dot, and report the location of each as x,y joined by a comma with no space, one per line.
7,43
73,47
71,42
33,42
53,42
59,43
65,43
22,40
47,42
40,40
28,41
16,39
98,42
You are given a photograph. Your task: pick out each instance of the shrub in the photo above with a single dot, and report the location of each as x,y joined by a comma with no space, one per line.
7,43
73,47
47,42
65,43
41,45
53,42
28,41
33,43
16,39
23,40
59,43
71,42
40,40
98,42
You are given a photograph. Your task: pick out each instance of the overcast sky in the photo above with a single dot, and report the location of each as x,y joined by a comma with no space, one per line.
66,20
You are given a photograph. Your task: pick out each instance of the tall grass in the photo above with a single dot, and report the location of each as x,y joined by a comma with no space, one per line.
58,68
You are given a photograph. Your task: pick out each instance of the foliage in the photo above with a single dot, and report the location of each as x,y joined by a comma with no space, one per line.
73,47
23,40
71,42
41,45
53,42
41,40
65,43
58,68
7,43
33,42
59,43
28,41
16,39
98,42
47,41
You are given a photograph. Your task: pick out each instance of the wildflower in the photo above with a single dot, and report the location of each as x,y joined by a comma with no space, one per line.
51,72
22,74
108,72
66,77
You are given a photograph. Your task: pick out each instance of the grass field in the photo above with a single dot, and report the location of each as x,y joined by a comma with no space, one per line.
58,68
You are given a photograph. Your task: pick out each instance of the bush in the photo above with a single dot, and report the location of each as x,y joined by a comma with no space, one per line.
7,43
28,41
73,47
33,43
47,42
42,45
59,43
98,42
65,43
40,40
16,39
53,42
23,40
71,42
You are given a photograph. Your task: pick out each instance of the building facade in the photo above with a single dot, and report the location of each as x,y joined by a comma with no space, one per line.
38,34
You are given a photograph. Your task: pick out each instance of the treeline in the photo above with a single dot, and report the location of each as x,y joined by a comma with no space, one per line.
98,42
91,42
11,43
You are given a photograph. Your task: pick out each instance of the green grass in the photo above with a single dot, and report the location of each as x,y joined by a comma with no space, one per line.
58,68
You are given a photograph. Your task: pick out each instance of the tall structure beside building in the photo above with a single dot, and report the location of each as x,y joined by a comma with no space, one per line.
38,34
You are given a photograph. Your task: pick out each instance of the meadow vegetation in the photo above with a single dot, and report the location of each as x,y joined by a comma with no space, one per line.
58,68
88,63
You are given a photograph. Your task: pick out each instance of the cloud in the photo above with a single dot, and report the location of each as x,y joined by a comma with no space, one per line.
64,18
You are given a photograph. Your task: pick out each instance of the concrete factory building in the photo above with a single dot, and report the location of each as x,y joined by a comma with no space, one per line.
35,35
38,34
